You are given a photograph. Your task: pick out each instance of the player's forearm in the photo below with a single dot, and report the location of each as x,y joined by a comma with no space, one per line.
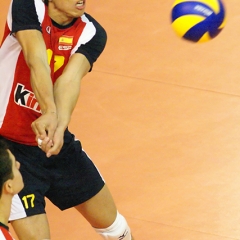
67,88
42,87
34,50
66,95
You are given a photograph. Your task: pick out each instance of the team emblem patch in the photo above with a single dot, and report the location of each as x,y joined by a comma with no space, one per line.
65,42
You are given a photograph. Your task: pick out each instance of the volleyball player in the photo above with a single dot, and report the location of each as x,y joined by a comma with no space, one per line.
40,91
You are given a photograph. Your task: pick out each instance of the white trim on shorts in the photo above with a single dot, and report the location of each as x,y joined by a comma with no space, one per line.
17,209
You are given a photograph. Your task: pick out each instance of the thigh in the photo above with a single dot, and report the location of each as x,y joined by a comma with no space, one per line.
100,211
32,228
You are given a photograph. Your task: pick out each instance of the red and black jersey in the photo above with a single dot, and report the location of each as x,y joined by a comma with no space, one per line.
19,107
4,233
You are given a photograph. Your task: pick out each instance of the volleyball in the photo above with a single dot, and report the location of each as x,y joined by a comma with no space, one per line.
198,20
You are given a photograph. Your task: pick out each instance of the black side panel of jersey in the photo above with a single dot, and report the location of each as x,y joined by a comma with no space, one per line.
96,45
24,16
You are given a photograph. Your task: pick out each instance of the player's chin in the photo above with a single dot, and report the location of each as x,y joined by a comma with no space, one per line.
76,14
79,12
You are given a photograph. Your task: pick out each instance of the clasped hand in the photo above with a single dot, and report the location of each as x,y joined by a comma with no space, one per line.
48,135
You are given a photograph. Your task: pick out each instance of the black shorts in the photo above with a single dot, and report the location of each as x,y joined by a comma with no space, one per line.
68,179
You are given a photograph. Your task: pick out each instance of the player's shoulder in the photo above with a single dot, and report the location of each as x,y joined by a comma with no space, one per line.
21,5
26,14
89,18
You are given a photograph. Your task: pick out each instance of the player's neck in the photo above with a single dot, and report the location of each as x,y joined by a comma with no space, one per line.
5,209
58,16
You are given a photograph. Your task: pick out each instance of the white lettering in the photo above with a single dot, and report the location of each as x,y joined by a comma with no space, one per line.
204,10
65,47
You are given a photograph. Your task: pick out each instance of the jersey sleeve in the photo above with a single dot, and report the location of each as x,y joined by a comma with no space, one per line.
24,16
93,49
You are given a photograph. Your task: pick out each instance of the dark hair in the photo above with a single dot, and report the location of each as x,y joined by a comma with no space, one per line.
5,164
46,2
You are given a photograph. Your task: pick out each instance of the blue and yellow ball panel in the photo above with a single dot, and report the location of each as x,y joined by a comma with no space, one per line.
199,20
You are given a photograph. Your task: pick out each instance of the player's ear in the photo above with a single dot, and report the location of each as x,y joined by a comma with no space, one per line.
8,186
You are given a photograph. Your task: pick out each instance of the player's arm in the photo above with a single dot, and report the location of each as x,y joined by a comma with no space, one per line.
67,86
35,55
27,29
66,93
